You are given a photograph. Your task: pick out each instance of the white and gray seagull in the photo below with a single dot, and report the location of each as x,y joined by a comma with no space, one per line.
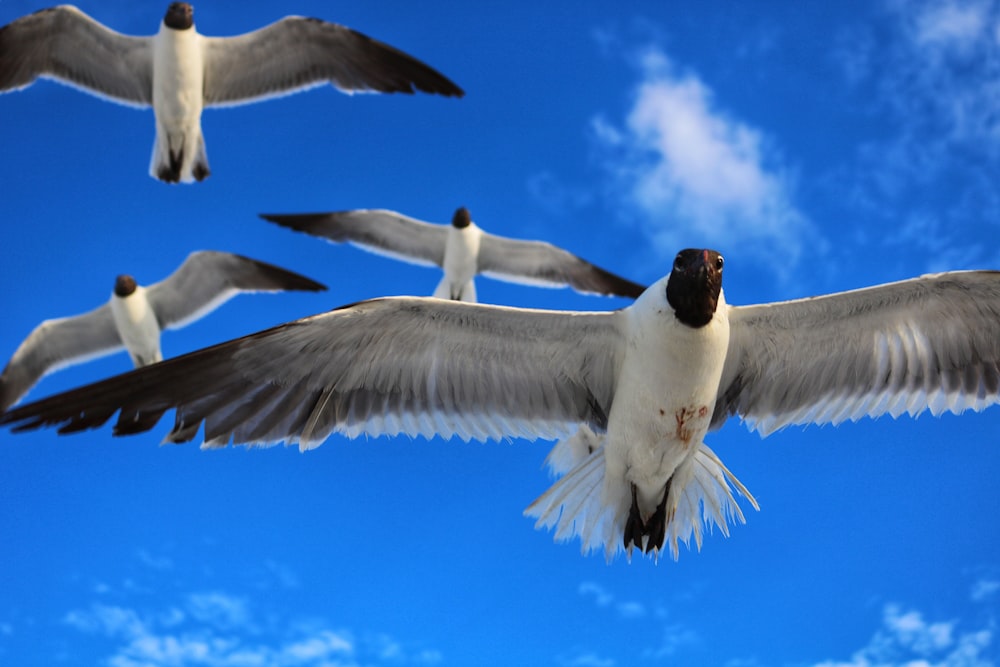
135,315
179,72
462,249
647,381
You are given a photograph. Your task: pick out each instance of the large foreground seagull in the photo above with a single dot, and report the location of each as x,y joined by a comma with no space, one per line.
646,382
462,249
179,72
135,315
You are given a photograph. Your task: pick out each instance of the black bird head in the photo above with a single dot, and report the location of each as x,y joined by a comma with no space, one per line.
124,285
180,16
694,286
461,219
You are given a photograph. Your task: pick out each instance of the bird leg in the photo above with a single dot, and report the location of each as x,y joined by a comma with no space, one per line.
655,528
635,527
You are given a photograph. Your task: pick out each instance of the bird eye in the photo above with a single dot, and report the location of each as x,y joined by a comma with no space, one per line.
678,264
719,262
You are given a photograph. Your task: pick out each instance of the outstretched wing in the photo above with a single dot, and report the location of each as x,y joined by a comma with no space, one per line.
410,365
541,263
55,344
930,343
208,278
376,230
64,44
296,53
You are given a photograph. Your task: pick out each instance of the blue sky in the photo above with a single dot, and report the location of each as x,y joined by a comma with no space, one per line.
819,146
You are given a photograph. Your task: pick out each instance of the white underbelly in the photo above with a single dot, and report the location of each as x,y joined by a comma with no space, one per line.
137,327
178,78
660,418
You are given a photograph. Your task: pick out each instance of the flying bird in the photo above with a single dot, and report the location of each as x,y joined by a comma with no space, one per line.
462,249
647,383
135,315
180,72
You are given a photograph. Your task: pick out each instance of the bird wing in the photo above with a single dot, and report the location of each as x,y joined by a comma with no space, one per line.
375,230
541,263
64,44
419,366
208,278
928,343
55,344
296,53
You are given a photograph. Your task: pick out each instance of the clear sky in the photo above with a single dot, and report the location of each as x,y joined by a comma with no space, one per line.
819,146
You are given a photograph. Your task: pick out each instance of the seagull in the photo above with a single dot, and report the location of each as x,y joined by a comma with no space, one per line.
462,249
647,382
135,315
179,72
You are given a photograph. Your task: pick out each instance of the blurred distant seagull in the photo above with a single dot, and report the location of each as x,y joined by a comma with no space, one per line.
135,315
461,249
179,72
647,382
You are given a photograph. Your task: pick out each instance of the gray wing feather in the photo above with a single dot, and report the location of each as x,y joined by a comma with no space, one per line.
296,53
541,263
208,278
388,366
376,230
55,344
65,44
931,343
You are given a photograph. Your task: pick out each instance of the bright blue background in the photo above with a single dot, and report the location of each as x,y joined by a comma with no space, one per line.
820,146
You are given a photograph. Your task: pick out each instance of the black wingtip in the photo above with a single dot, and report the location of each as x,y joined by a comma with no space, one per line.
322,225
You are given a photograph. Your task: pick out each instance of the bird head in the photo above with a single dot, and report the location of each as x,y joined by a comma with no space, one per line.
694,286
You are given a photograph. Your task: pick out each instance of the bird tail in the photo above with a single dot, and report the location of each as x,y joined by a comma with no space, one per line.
466,292
576,505
178,158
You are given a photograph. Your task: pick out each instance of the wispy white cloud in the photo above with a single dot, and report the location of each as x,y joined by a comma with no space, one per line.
926,75
628,609
907,639
216,629
108,620
602,597
692,173
219,609
984,589
951,25
672,638
586,659
154,562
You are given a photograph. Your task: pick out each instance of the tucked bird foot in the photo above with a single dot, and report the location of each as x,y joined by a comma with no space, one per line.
635,527
656,527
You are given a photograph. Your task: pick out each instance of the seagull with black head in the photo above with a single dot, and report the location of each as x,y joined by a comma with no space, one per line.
648,382
179,72
462,250
135,316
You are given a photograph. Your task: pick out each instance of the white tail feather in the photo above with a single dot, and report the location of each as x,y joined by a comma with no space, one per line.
701,492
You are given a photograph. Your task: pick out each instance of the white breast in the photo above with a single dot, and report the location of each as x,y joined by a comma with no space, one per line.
137,327
178,77
659,419
461,252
